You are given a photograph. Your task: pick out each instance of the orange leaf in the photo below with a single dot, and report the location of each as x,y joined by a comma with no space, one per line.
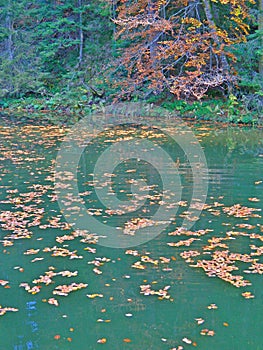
127,340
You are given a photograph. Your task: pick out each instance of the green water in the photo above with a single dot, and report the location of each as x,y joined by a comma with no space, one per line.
235,162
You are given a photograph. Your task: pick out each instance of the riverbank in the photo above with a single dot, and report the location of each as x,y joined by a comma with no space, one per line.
67,109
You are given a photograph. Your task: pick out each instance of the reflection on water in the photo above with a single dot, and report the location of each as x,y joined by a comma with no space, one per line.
120,314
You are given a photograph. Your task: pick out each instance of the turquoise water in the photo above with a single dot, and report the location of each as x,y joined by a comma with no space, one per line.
121,314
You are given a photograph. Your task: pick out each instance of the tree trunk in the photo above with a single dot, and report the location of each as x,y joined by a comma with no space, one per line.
155,36
260,28
212,25
10,44
81,38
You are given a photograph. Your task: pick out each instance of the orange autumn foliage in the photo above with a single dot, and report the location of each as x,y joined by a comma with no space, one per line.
179,45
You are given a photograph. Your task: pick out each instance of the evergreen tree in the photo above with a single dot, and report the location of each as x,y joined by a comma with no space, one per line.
19,63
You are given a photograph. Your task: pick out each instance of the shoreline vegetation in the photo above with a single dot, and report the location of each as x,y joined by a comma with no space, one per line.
199,60
211,110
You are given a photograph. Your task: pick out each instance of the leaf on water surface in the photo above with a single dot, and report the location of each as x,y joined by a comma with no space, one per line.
102,341
95,295
132,252
138,265
3,282
208,332
254,199
248,295
53,301
36,259
199,320
187,341
127,340
31,251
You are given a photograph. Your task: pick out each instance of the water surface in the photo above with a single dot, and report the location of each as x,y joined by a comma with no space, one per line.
121,314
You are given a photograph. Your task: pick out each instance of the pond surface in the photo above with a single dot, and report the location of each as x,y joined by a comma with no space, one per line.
114,306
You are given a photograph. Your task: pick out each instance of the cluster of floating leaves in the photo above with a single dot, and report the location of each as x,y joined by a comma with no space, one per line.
239,211
144,259
218,260
64,289
161,293
137,224
4,310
